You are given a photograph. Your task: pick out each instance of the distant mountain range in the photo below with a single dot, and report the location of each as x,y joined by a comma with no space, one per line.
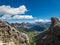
37,26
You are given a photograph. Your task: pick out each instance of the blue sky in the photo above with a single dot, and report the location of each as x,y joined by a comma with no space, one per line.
38,9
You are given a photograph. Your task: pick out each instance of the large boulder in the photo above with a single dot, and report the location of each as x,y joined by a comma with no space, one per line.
10,36
51,36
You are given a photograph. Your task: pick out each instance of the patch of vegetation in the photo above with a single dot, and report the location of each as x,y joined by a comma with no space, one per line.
31,34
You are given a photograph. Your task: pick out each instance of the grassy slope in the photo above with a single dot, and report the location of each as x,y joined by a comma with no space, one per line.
31,34
31,37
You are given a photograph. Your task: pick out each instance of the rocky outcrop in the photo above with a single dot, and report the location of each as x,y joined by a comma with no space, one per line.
10,36
51,36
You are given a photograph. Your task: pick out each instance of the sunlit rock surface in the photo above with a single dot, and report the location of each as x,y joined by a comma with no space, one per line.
10,36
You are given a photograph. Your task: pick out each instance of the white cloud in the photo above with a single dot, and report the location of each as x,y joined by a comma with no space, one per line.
42,20
9,11
7,16
23,17
12,11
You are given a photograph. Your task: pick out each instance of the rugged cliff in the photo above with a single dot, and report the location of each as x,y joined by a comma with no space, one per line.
51,36
10,36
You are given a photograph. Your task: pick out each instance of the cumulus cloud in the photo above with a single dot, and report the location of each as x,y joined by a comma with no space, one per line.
23,17
9,11
42,20
12,11
7,16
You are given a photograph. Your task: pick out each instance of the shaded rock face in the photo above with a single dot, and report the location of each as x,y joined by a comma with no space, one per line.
51,36
10,36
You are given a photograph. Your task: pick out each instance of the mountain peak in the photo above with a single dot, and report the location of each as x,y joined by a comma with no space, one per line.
54,20
50,36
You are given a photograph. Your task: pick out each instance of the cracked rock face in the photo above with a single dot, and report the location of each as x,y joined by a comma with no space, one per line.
10,36
52,35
